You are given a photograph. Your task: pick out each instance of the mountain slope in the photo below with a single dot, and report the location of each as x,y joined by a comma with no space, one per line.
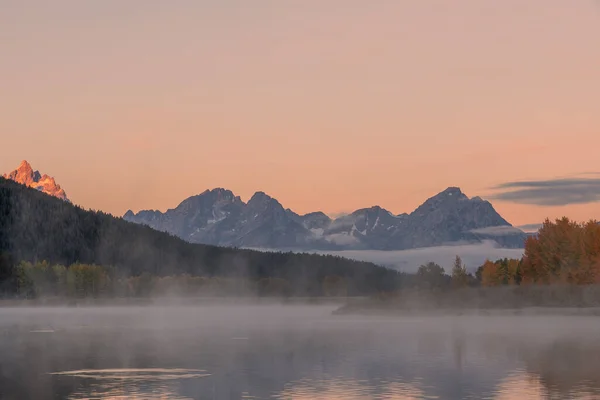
25,175
35,226
451,216
447,217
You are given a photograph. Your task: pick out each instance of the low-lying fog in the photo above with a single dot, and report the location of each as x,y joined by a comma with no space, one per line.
473,255
291,352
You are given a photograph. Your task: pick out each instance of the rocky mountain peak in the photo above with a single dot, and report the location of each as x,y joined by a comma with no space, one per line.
315,220
444,199
24,167
262,201
221,194
316,214
129,214
209,203
259,197
451,193
26,175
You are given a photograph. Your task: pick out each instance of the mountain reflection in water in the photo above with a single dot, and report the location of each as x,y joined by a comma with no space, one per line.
292,352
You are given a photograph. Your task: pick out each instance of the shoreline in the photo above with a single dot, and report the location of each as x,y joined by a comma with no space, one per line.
355,306
469,312
171,301
500,300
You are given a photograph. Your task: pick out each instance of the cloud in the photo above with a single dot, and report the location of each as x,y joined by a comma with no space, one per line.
497,230
552,192
530,227
473,255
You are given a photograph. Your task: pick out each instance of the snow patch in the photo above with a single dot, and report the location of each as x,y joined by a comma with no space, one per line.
355,229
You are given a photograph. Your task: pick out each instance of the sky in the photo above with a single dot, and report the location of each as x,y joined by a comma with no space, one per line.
325,105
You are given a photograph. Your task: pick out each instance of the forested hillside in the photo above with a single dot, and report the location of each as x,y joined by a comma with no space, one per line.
36,227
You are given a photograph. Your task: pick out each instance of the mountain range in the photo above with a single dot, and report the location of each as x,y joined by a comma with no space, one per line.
219,217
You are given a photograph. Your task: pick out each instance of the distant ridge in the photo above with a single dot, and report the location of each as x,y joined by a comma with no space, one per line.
219,217
25,175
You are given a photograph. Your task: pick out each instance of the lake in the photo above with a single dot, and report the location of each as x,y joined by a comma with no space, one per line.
292,352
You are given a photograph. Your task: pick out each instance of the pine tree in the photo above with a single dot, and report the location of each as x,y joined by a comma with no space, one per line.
459,273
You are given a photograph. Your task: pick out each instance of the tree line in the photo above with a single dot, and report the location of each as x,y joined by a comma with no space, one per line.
43,280
38,228
51,247
563,252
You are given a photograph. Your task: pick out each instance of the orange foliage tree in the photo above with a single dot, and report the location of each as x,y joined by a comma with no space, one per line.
489,274
502,272
563,252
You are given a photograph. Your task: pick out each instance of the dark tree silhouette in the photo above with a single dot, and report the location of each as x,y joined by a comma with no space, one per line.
36,227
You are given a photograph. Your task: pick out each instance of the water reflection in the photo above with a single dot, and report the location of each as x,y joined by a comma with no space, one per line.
293,353
524,385
339,388
146,383
133,392
520,385
566,368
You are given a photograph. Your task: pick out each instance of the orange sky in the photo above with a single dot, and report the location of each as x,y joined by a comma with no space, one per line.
326,106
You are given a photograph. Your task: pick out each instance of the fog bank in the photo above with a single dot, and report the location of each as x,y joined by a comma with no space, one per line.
473,255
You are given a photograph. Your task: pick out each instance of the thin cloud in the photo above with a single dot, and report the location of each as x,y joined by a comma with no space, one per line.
551,192
473,255
530,227
502,230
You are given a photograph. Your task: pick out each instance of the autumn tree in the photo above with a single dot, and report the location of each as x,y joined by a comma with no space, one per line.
488,274
513,272
563,251
501,272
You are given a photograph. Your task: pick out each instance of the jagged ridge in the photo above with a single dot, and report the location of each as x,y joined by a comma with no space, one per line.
25,175
219,217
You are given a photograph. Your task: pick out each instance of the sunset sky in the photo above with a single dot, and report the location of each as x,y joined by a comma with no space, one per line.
326,105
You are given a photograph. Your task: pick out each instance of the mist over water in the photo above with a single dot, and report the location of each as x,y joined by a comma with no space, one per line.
291,352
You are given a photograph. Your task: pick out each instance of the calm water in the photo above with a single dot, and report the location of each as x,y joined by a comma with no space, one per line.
292,352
